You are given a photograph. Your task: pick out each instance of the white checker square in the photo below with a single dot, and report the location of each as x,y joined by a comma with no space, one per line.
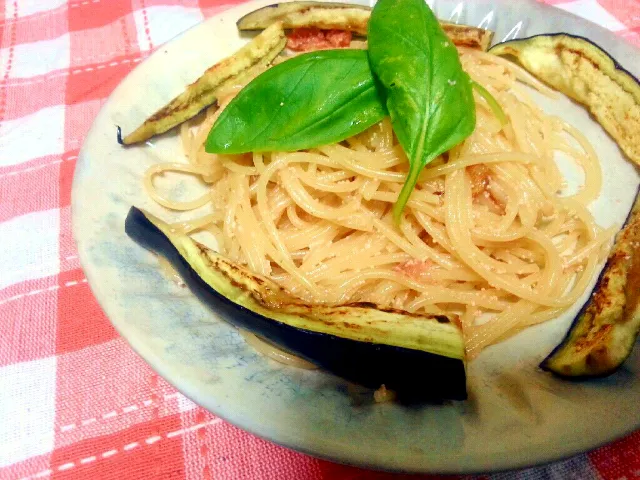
38,58
184,404
32,136
27,409
30,7
165,22
30,248
591,10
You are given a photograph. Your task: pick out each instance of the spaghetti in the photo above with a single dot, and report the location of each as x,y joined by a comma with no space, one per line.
486,234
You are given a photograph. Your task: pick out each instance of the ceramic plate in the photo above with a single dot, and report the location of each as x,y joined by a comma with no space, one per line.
516,414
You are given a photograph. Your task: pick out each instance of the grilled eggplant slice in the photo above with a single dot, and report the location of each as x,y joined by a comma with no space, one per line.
467,36
603,334
420,357
241,67
583,71
325,15
344,16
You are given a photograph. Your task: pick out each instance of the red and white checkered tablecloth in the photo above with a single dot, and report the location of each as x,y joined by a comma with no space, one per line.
75,401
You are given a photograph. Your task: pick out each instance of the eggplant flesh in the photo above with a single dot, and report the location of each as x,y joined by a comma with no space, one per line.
325,15
241,67
584,72
420,357
604,333
344,16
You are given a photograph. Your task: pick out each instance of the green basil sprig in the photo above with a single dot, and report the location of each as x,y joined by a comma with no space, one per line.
428,95
310,100
495,107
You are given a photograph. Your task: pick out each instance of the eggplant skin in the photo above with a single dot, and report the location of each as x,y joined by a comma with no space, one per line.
241,67
416,375
325,15
345,16
604,333
586,73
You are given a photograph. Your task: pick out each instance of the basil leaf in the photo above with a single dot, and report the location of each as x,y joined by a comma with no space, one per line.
310,100
429,96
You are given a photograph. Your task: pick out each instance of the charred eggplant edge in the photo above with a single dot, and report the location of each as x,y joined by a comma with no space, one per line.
262,17
570,35
356,20
203,92
603,334
460,35
624,80
416,375
251,59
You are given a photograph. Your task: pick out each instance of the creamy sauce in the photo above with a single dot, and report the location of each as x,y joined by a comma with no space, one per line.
266,348
168,271
274,353
261,346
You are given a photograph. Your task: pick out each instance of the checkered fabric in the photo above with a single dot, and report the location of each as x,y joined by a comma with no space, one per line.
75,401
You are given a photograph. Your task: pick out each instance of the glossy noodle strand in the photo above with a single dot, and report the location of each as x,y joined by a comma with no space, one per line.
487,234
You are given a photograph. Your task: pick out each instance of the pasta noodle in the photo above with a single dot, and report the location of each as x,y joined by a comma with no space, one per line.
486,234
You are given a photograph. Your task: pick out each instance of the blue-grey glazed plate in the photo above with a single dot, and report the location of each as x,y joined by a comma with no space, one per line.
516,415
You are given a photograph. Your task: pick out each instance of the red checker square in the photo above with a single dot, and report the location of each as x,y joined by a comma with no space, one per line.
67,167
96,82
32,164
36,164
30,189
117,39
26,468
40,27
218,4
81,321
67,246
213,7
232,453
28,320
106,388
627,12
224,451
24,97
125,454
632,36
140,4
334,470
78,120
620,459
94,14
9,30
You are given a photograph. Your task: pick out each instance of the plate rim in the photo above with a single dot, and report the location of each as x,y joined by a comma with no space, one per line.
166,370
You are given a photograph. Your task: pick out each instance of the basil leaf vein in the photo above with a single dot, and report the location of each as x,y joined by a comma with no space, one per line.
428,94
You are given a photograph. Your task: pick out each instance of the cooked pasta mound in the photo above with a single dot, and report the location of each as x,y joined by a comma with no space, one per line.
487,234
